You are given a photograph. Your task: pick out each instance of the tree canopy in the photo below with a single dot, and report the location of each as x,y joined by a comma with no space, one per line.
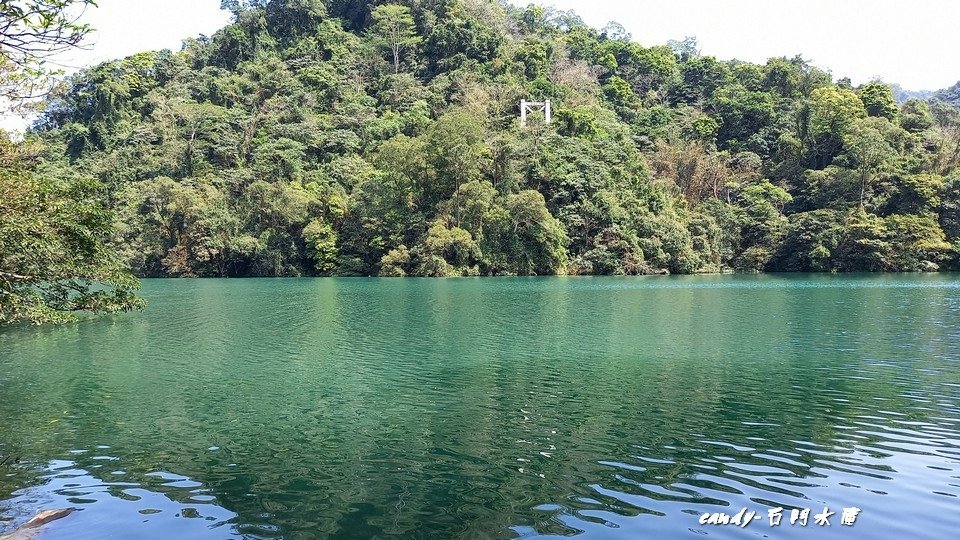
56,254
336,137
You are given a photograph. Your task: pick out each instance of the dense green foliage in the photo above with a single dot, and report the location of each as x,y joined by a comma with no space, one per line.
336,137
56,254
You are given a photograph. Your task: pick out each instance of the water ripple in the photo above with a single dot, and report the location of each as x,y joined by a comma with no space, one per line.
606,408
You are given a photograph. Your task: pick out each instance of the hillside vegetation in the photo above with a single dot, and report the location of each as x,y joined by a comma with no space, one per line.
348,137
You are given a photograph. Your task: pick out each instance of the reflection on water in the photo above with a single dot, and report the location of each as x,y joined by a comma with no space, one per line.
163,506
607,408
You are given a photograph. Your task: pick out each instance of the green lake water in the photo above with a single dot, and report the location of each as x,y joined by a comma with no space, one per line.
491,408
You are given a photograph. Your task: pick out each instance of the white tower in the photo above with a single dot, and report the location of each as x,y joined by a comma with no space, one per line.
535,106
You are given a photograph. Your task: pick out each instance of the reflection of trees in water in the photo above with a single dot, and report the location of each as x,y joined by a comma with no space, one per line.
363,408
154,506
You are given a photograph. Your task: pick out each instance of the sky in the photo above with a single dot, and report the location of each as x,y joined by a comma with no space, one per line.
125,27
913,43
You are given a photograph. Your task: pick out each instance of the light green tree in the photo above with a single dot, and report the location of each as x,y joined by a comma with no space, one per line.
321,241
866,144
878,100
394,29
833,110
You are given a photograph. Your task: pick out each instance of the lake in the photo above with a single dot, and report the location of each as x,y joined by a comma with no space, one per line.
492,408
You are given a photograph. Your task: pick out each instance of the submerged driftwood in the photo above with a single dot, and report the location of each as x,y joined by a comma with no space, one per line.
31,528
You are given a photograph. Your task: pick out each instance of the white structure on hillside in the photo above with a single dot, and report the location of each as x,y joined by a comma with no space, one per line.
527,107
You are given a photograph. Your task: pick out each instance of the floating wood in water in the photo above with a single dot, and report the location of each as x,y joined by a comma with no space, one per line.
30,529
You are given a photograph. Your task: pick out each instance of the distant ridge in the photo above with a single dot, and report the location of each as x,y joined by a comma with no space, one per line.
901,95
948,95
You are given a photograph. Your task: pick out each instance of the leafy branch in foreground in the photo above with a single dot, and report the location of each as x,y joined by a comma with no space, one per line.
54,255
31,33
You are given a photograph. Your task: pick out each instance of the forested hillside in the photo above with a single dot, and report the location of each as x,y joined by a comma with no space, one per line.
950,96
349,137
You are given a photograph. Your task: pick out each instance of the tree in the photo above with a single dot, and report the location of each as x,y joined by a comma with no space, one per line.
289,19
615,31
321,240
466,30
762,224
878,100
950,211
448,252
916,194
865,246
394,29
455,150
55,257
945,121
810,242
743,114
700,78
915,116
831,112
868,147
921,243
535,240
686,48
285,145
31,32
